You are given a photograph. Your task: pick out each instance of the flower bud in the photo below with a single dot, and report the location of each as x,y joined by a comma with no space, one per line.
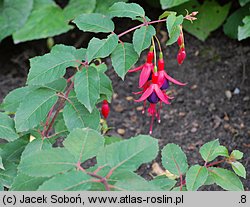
181,56
105,109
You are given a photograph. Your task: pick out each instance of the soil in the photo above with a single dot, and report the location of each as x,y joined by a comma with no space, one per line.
214,104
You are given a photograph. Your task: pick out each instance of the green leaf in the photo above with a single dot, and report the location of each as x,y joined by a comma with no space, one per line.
106,86
210,180
130,10
142,38
87,87
11,152
196,176
57,85
236,154
13,15
221,151
47,162
60,126
173,27
111,140
46,20
101,68
77,116
24,182
244,2
126,155
7,130
230,28
208,150
226,179
174,159
166,14
76,7
52,66
94,23
70,181
8,174
101,48
36,145
123,58
34,109
84,144
103,6
165,4
244,31
1,163
163,182
12,101
203,26
239,169
129,181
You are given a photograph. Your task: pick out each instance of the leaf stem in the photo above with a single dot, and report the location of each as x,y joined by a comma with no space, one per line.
139,26
214,163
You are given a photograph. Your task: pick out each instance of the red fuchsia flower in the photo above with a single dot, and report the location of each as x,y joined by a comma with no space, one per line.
153,94
164,78
105,109
146,69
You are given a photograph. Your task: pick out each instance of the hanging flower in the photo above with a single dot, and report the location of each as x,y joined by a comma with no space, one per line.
182,53
146,69
105,109
164,78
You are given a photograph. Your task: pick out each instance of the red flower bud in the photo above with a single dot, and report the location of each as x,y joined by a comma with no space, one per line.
180,40
150,57
181,56
105,109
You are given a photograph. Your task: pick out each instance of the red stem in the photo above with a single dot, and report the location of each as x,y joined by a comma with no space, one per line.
214,163
141,25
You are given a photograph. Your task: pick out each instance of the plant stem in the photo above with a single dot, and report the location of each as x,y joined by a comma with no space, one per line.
214,163
139,26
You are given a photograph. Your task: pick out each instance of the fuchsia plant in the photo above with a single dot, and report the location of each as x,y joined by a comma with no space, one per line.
51,106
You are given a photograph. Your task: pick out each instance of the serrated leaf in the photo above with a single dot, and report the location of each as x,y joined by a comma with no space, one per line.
203,26
13,15
196,176
221,151
36,145
24,182
106,86
70,181
47,162
226,179
174,159
173,27
230,28
208,149
165,4
11,152
166,14
45,20
236,154
7,129
126,155
163,182
244,31
142,38
239,169
76,7
52,66
57,85
244,2
123,58
101,68
87,87
130,10
103,6
34,109
129,181
8,174
101,48
94,23
77,116
84,144
12,101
